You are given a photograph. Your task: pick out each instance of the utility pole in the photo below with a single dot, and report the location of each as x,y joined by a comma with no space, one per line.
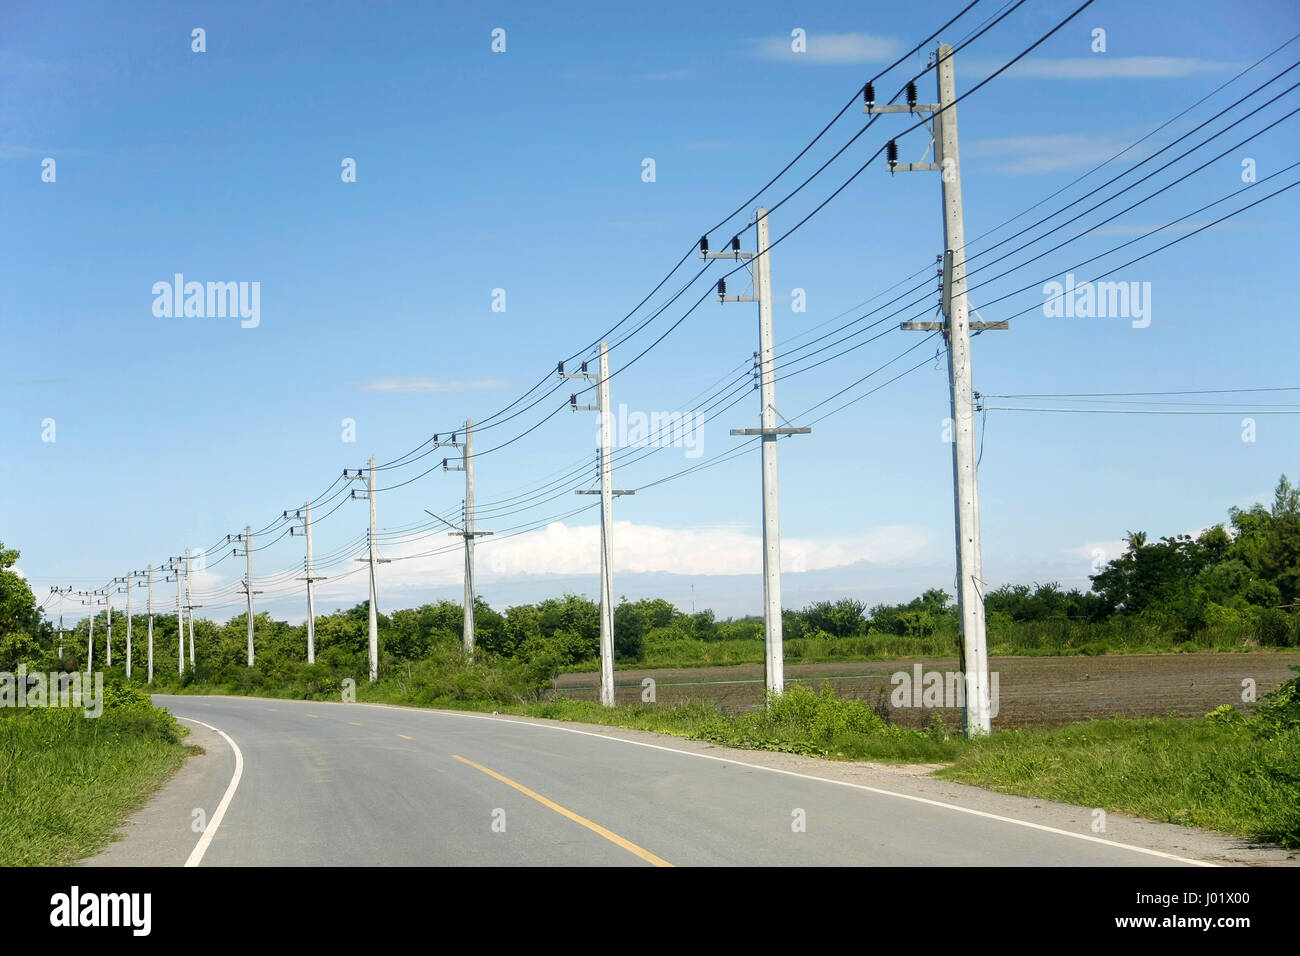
373,559
957,330
761,270
149,608
607,493
108,642
466,532
310,579
83,598
180,618
127,579
90,640
61,592
247,539
190,605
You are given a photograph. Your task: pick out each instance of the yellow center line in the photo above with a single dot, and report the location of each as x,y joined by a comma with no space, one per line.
354,723
609,835
403,736
313,716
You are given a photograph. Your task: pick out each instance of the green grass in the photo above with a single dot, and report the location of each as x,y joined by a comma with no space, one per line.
68,781
1198,772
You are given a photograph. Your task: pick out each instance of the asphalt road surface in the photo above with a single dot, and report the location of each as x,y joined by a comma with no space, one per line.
309,783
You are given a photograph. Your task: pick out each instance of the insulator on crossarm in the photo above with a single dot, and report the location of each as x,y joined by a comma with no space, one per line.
911,92
584,367
722,287
704,245
573,400
869,94
735,243
559,368
891,153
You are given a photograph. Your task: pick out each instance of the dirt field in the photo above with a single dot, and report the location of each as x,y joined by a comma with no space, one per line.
1032,691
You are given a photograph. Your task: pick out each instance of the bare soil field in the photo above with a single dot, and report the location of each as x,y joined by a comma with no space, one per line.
1032,691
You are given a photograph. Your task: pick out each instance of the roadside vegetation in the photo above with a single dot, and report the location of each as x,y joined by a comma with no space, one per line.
67,780
1233,588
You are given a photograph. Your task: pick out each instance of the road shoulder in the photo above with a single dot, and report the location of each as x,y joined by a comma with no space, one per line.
162,832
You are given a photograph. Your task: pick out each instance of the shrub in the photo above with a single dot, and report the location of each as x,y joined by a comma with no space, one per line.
1275,627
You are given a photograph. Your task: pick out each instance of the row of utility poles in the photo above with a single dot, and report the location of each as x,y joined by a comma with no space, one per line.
956,327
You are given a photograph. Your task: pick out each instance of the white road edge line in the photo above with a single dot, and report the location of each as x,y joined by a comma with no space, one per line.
196,856
844,783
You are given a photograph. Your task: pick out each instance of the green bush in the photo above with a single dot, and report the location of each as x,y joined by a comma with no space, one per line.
1275,627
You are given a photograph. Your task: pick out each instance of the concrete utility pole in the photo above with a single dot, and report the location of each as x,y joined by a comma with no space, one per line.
373,559
180,618
607,493
467,532
90,640
88,597
108,641
957,330
247,539
62,593
190,605
127,579
310,579
761,268
149,609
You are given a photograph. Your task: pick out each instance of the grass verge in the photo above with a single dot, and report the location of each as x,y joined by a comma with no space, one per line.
67,781
1207,773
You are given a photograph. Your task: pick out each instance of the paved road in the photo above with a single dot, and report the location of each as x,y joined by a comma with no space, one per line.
355,784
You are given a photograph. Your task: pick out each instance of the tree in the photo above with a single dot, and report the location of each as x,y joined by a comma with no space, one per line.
19,619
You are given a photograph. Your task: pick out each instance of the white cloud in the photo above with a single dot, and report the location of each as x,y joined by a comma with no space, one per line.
575,549
429,385
832,48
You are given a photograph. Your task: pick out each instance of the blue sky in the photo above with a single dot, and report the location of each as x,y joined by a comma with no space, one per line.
523,171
